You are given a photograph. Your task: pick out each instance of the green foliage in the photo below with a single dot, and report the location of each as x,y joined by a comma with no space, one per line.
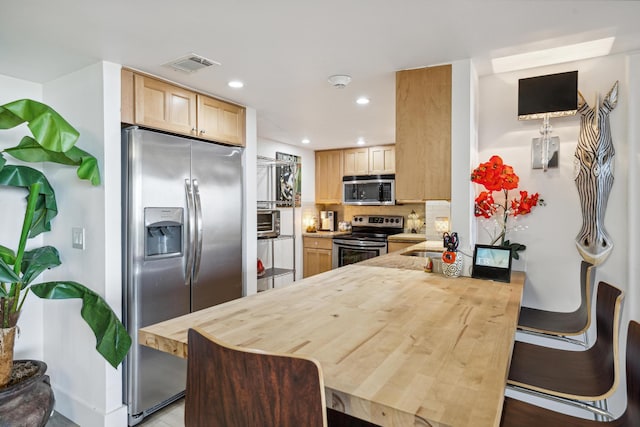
53,141
113,342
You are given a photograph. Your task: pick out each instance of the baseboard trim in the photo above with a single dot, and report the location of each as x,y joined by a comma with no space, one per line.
84,415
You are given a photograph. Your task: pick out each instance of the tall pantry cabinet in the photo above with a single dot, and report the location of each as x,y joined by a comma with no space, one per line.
423,134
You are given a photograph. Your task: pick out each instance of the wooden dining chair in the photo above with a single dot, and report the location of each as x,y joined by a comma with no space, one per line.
563,325
228,386
574,377
516,413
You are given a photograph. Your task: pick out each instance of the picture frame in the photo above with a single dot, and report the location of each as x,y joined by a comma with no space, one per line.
491,263
288,181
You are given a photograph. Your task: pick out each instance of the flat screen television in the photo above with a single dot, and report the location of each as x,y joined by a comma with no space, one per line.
556,94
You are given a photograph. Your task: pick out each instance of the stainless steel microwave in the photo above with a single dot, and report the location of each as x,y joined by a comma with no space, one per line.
369,190
268,223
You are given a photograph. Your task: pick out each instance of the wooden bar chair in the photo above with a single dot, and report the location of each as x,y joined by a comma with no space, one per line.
563,325
228,386
516,413
574,377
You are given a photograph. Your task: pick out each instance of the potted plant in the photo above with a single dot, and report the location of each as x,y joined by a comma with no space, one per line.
54,141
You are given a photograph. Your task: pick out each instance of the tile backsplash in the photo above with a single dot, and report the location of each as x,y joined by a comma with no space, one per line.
436,210
347,212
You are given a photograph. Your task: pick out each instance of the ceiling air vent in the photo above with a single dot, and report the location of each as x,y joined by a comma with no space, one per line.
191,63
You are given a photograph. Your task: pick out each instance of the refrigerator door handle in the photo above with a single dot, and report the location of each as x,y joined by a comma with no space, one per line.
190,230
198,215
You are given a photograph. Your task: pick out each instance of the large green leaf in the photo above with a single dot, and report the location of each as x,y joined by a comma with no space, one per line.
30,151
113,342
47,126
46,207
7,255
38,260
7,275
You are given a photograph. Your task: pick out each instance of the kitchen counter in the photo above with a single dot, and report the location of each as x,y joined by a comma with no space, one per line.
407,237
398,347
326,234
397,260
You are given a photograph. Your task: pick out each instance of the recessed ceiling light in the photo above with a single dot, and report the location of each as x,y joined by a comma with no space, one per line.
306,141
236,84
363,100
361,141
556,55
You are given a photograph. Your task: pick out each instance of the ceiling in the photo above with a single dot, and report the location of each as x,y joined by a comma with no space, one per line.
284,50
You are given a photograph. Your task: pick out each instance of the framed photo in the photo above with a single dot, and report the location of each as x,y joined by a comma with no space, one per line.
492,263
288,180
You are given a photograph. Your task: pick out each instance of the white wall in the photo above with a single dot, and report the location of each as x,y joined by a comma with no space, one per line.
283,249
88,389
13,202
551,259
250,225
464,87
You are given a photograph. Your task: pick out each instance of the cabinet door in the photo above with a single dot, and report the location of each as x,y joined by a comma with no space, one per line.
316,261
328,176
356,161
382,160
221,121
163,106
423,134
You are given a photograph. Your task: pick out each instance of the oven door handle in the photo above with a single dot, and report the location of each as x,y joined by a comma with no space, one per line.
360,244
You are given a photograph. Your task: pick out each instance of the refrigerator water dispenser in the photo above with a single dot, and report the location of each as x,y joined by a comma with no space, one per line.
163,237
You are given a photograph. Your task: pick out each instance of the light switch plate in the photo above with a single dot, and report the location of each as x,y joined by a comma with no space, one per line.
77,237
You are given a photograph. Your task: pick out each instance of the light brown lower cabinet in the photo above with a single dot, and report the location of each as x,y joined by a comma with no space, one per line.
316,257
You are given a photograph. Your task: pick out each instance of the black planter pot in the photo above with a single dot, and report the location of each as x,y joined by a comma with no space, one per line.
28,403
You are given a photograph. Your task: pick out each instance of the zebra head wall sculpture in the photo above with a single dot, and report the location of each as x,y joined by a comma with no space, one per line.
593,173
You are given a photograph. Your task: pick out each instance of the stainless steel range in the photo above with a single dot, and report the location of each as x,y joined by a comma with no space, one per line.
368,238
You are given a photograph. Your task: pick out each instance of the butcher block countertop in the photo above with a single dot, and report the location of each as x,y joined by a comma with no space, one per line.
397,346
326,234
407,237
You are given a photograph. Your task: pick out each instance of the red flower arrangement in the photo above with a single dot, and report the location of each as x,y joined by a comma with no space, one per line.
494,175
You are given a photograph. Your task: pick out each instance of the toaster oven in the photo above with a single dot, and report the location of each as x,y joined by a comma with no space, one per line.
268,223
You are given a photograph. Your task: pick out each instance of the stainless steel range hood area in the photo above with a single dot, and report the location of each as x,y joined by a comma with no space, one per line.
369,190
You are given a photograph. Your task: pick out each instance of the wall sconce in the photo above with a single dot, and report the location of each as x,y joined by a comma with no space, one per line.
442,224
543,97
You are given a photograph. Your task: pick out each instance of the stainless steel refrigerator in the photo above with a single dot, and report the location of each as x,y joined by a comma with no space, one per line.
182,238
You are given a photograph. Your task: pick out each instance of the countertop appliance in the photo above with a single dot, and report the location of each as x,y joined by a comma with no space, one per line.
369,190
328,221
182,248
268,223
368,238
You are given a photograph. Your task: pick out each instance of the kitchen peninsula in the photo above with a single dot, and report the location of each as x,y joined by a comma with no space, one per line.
398,346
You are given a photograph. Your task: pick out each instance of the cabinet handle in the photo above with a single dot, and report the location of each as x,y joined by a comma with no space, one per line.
202,131
193,129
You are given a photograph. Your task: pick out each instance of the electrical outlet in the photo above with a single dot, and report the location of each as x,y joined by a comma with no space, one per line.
77,238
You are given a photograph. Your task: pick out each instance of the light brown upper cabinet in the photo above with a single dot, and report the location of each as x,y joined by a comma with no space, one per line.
163,106
382,160
157,104
423,134
356,161
369,161
329,176
220,121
